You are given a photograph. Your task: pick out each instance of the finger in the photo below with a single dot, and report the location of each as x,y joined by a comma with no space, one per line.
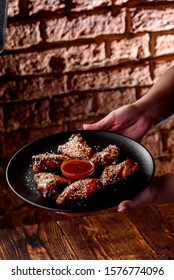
147,197
124,205
104,124
143,199
101,125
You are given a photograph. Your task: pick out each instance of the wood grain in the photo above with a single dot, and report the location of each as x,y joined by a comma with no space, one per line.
156,225
102,237
107,236
38,242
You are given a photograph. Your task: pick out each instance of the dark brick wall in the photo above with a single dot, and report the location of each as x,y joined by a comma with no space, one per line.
70,62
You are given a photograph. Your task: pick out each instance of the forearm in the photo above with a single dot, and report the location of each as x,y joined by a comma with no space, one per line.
158,103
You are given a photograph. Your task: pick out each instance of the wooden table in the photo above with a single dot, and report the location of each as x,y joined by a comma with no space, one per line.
146,233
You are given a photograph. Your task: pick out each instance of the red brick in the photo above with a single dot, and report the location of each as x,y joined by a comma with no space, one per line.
29,114
33,63
139,75
51,61
72,107
13,8
76,125
2,168
153,142
164,44
130,49
81,5
46,131
142,91
1,155
86,81
152,20
85,26
128,96
15,140
110,100
41,62
168,125
8,65
1,118
85,55
164,165
35,6
39,82
160,67
134,2
22,36
170,141
32,88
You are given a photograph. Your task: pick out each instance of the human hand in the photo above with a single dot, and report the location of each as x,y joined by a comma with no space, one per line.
160,191
127,120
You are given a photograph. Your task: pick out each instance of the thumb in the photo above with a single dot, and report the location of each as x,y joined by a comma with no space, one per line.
142,199
104,124
93,126
125,205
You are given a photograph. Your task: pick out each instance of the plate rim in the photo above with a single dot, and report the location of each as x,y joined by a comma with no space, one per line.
70,132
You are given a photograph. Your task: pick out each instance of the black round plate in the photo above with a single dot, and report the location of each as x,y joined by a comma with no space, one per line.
19,171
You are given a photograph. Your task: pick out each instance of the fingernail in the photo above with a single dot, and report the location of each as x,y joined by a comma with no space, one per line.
122,208
85,126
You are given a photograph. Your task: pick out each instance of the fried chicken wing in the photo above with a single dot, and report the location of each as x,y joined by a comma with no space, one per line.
78,190
106,156
48,183
42,162
116,172
76,147
107,170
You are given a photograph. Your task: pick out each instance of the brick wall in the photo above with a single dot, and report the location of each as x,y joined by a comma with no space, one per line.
70,62
64,56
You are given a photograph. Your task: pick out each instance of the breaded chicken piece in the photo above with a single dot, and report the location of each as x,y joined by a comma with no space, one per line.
78,190
117,172
106,156
76,147
47,161
48,183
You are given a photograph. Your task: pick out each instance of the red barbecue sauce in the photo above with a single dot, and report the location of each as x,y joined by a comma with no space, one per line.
77,168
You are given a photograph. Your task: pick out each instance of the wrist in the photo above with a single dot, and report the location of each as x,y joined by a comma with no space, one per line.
146,113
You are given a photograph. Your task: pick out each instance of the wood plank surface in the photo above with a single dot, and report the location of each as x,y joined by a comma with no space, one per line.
105,236
38,242
156,225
